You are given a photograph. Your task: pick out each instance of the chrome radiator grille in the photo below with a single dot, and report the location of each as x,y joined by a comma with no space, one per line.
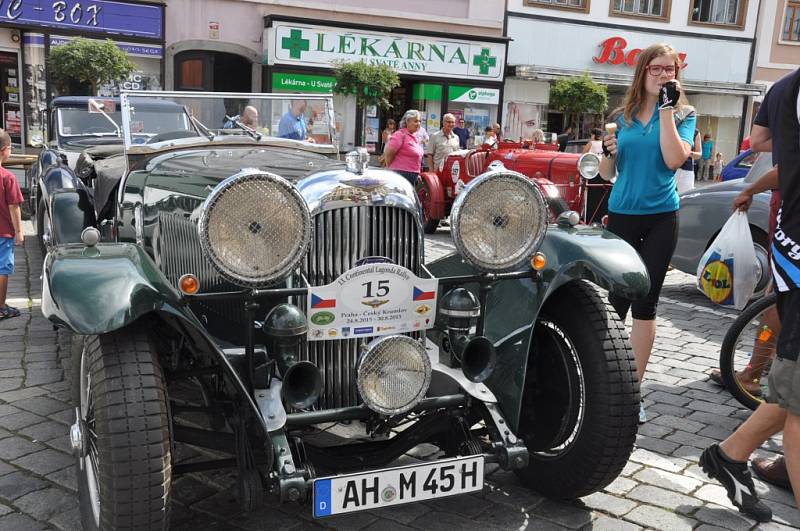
341,238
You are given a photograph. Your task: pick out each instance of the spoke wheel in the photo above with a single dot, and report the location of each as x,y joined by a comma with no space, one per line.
124,466
424,194
748,350
580,401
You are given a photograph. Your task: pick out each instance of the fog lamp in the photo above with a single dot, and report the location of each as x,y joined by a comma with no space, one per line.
394,373
286,326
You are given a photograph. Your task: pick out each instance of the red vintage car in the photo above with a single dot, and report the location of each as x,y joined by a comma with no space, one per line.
570,181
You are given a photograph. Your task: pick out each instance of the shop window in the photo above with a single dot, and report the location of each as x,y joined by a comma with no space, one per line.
657,9
192,74
718,12
577,5
791,22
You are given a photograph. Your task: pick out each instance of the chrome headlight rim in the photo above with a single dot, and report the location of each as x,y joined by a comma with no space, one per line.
525,252
290,263
589,159
371,348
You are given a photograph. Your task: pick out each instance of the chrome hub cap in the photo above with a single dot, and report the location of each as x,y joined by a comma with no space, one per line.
76,436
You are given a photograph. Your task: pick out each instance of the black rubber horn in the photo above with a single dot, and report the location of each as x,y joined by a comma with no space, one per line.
302,385
478,359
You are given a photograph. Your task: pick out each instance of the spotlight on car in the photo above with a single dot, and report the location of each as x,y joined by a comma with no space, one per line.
475,355
255,228
499,221
394,373
589,166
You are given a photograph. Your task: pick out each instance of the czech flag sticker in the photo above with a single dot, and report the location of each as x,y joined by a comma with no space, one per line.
420,295
318,302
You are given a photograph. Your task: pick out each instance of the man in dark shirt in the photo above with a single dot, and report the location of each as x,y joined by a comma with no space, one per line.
462,133
563,138
727,462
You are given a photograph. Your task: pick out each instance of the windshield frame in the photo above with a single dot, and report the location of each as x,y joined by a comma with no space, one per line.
125,104
761,165
60,122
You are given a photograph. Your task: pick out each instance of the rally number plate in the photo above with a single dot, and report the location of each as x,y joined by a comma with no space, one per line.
395,486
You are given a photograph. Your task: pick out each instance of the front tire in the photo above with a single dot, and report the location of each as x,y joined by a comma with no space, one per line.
125,466
580,402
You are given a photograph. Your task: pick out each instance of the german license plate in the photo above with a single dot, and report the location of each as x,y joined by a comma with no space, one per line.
395,486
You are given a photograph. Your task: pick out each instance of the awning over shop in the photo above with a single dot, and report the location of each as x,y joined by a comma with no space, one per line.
547,73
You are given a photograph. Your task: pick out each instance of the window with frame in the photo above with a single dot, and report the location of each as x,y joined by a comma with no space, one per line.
791,22
721,12
644,8
582,5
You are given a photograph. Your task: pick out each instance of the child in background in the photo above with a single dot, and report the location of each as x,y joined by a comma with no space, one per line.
10,224
716,170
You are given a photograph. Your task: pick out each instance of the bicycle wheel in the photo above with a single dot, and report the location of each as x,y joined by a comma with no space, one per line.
748,349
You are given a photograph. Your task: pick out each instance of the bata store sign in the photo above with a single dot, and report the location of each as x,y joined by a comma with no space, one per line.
307,45
613,51
573,47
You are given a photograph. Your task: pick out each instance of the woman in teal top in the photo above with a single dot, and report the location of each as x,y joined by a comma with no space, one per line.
655,132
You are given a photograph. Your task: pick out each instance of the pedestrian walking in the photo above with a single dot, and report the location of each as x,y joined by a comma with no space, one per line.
10,225
462,133
684,176
704,173
655,136
564,137
595,144
403,153
442,143
727,461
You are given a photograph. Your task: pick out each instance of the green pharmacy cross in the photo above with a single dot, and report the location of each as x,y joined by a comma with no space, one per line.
483,61
296,44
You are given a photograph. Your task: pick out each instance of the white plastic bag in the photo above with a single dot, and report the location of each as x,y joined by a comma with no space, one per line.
728,270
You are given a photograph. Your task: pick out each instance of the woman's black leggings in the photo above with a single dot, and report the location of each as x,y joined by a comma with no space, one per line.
654,237
409,175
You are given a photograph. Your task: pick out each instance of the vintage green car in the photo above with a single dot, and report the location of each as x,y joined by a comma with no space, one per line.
260,300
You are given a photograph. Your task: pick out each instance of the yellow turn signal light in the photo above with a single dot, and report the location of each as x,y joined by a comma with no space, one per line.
189,284
538,261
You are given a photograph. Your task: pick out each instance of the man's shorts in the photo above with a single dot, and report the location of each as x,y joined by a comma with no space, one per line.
6,256
784,377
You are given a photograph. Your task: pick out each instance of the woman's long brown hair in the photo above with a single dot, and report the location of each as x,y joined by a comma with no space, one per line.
635,97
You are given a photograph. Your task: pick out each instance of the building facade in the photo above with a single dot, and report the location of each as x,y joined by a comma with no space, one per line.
29,29
552,39
450,55
777,42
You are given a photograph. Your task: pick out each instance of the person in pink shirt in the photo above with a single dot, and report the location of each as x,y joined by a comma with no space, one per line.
403,153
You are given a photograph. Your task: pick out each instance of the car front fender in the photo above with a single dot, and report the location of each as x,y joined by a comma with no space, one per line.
437,194
94,290
512,307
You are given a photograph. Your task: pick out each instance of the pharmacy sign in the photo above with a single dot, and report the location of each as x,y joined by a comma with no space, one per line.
311,45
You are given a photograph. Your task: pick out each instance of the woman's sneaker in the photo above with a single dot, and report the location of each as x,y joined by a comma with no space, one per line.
736,479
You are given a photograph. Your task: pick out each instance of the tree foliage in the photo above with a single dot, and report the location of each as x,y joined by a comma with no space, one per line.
577,95
88,62
371,84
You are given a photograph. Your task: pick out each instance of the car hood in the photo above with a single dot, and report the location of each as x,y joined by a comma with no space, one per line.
208,165
729,186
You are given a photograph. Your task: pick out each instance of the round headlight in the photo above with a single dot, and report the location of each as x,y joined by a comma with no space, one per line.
393,374
499,221
255,228
589,165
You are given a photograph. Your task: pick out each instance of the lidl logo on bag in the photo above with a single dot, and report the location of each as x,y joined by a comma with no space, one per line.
717,281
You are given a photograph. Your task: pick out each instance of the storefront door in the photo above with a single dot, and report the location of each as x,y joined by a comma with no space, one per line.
10,95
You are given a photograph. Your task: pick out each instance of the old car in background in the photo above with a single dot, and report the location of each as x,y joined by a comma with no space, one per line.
705,210
84,131
569,181
257,298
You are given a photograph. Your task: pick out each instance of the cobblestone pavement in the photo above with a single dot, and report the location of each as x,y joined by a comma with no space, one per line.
662,486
